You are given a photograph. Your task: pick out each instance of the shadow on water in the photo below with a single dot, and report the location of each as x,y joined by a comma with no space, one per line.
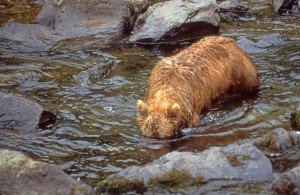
96,133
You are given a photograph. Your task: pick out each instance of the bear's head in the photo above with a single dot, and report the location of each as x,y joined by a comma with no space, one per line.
159,123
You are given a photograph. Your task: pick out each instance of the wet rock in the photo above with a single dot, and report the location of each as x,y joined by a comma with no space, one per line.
40,2
176,20
28,78
278,140
26,37
295,118
91,16
133,11
25,79
63,20
17,113
194,172
283,7
20,174
273,39
233,10
288,182
96,73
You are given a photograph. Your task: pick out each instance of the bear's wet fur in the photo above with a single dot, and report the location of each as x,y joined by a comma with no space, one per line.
184,84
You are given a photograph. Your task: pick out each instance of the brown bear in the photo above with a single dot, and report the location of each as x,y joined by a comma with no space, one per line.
181,86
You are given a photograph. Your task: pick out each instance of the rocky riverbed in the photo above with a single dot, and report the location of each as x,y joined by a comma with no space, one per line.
80,66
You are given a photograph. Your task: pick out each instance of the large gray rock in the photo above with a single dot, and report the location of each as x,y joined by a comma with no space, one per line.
177,20
26,37
233,10
286,6
288,182
211,169
21,114
92,16
20,174
60,20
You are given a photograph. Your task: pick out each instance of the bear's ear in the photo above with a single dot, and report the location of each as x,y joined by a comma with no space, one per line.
142,108
173,110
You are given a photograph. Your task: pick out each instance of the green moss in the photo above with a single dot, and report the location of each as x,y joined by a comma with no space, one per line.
246,158
233,160
246,189
119,185
175,180
295,119
265,142
78,190
18,162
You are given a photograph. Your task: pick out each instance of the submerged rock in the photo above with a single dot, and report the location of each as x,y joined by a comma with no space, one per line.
20,174
96,73
30,78
176,20
196,172
21,114
288,182
264,42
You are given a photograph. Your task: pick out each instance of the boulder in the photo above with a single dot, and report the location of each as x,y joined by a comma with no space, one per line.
22,175
233,10
26,37
194,172
59,20
286,6
295,118
288,182
278,140
92,16
282,148
176,20
17,113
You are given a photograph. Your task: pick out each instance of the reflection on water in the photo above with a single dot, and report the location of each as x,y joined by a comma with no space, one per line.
96,133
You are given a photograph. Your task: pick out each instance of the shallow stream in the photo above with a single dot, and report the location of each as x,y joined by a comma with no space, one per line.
96,133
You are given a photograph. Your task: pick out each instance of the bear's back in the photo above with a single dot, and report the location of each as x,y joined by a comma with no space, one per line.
193,61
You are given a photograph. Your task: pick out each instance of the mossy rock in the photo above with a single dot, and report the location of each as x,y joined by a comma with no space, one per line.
237,160
119,186
175,180
233,160
295,119
20,174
